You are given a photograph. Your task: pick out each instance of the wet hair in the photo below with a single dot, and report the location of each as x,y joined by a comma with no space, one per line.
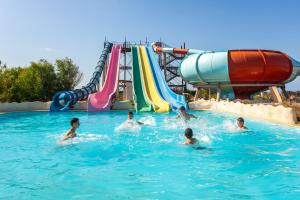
74,120
181,108
130,113
188,133
240,119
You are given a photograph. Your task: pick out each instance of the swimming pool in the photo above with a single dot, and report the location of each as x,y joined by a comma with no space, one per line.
149,163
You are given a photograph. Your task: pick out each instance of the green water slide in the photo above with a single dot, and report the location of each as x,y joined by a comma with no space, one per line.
141,100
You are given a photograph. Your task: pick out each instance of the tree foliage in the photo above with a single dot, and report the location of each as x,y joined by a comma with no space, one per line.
39,81
68,74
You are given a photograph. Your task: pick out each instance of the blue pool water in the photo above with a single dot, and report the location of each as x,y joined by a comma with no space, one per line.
106,162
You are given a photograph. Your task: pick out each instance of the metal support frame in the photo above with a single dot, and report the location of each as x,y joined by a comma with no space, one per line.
197,94
218,92
272,87
125,67
169,64
275,94
284,92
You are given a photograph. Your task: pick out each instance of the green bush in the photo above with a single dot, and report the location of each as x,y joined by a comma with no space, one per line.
39,81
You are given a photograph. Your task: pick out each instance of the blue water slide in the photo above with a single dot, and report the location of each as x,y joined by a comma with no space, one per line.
164,90
62,100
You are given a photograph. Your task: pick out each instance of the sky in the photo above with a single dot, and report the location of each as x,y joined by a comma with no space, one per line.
52,29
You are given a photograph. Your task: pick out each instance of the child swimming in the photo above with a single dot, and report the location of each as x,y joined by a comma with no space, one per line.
130,118
71,133
240,123
130,124
190,140
184,115
188,133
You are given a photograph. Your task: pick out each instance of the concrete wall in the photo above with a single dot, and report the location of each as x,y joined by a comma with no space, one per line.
37,105
24,106
34,106
274,113
123,105
118,105
80,105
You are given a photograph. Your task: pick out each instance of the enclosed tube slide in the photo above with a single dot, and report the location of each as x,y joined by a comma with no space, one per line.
174,99
62,101
257,67
233,69
101,101
237,67
296,70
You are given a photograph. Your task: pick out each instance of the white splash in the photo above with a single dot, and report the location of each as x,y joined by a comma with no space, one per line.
229,125
148,120
81,138
128,125
205,139
175,124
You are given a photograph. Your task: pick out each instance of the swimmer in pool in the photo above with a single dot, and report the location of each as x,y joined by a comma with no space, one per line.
190,140
71,133
240,123
184,115
130,118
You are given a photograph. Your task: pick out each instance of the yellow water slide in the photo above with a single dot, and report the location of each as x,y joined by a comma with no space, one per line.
158,103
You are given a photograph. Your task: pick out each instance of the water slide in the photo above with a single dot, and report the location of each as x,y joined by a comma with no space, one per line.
102,100
174,99
239,73
150,88
62,100
141,101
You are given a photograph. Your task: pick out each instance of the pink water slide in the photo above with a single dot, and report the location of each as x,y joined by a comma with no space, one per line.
101,100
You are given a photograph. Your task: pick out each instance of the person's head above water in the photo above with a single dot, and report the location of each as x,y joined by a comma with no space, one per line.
188,133
74,122
130,115
240,122
182,109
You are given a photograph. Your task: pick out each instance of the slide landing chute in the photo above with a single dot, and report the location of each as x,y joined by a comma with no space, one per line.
141,100
158,103
102,100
